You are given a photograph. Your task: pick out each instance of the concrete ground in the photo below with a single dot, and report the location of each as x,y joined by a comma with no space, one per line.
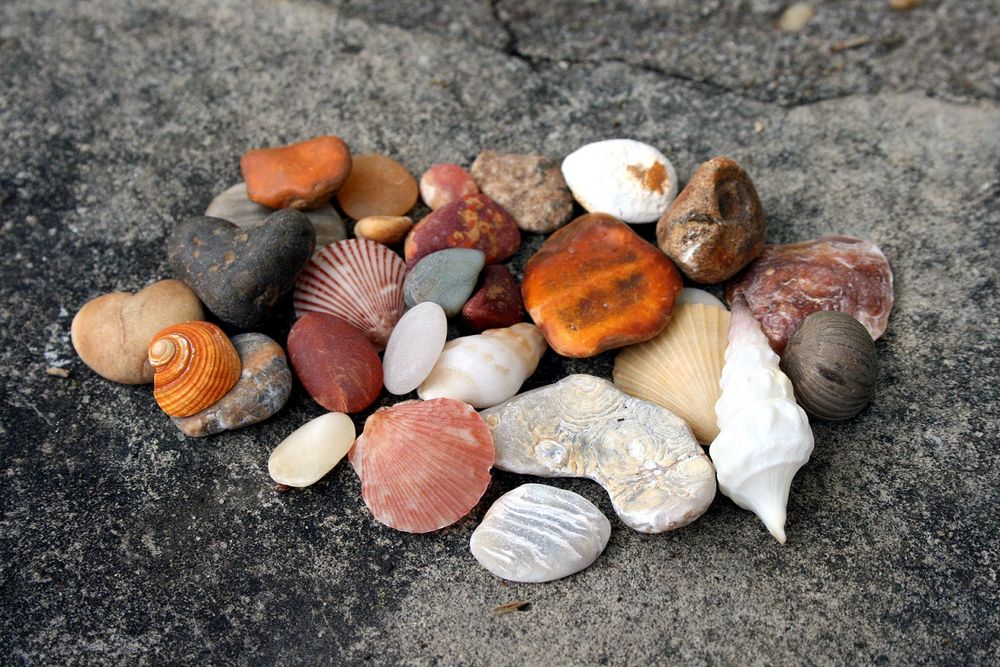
124,542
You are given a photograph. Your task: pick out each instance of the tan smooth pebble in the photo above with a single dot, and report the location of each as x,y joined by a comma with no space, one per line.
385,229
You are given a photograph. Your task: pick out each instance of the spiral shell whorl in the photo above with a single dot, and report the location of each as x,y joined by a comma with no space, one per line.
195,366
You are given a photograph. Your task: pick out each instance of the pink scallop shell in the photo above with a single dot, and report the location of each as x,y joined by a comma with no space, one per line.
358,280
423,464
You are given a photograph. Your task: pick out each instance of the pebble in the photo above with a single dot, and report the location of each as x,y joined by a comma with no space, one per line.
378,185
112,332
263,388
302,175
312,450
446,277
384,229
716,225
643,455
475,221
789,282
497,303
236,207
444,183
627,179
240,274
595,285
796,16
414,347
530,186
539,533
335,362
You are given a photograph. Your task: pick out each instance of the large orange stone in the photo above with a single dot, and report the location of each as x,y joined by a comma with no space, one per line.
378,185
303,175
595,285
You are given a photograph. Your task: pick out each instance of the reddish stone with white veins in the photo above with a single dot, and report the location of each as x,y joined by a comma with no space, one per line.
787,283
444,183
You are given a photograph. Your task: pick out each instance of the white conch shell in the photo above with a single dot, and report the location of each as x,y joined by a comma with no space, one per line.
485,369
764,435
644,455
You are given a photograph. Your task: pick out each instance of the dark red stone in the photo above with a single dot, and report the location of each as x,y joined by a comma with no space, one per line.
787,283
475,221
335,362
497,303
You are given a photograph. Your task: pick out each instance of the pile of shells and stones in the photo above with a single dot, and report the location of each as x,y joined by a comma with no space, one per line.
796,340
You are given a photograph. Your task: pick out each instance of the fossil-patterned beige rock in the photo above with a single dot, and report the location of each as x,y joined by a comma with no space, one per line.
583,426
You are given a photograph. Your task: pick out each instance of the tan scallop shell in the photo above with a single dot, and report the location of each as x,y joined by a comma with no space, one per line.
680,369
195,365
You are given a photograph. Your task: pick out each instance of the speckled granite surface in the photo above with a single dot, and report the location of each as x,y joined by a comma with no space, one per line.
124,542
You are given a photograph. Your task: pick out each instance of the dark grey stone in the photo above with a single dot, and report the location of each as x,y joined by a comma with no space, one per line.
122,541
240,273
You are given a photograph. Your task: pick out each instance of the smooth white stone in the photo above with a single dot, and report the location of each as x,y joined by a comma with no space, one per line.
312,450
414,347
695,295
539,533
611,177
235,206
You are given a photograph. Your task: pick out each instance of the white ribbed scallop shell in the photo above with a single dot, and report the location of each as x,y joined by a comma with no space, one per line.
539,533
358,280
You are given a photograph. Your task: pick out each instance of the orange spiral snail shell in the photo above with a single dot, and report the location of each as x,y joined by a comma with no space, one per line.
195,365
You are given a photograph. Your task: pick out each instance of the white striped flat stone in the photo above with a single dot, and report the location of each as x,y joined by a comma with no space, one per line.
539,533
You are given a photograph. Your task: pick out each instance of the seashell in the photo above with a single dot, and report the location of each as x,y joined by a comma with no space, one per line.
423,464
583,426
695,295
194,366
236,207
358,280
487,368
681,367
764,437
832,364
414,347
312,450
539,533
264,385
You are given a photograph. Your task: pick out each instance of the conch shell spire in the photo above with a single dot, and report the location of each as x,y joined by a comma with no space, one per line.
764,436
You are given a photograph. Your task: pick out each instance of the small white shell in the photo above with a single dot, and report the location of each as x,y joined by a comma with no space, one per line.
627,179
414,347
487,368
539,533
764,436
309,453
235,206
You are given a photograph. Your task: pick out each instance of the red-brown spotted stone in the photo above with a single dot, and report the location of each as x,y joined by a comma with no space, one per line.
335,362
596,285
475,221
497,303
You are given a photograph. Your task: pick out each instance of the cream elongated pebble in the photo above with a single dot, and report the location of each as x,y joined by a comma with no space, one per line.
414,347
628,179
310,452
539,533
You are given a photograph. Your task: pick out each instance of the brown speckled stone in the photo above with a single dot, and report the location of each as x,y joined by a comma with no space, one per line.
530,186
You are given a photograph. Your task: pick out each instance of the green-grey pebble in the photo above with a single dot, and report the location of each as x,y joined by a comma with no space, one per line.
446,277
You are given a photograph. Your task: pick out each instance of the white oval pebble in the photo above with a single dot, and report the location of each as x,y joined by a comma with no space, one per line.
695,295
539,533
312,450
414,347
627,179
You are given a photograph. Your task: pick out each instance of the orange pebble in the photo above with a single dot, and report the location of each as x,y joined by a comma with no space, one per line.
378,185
303,175
595,285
